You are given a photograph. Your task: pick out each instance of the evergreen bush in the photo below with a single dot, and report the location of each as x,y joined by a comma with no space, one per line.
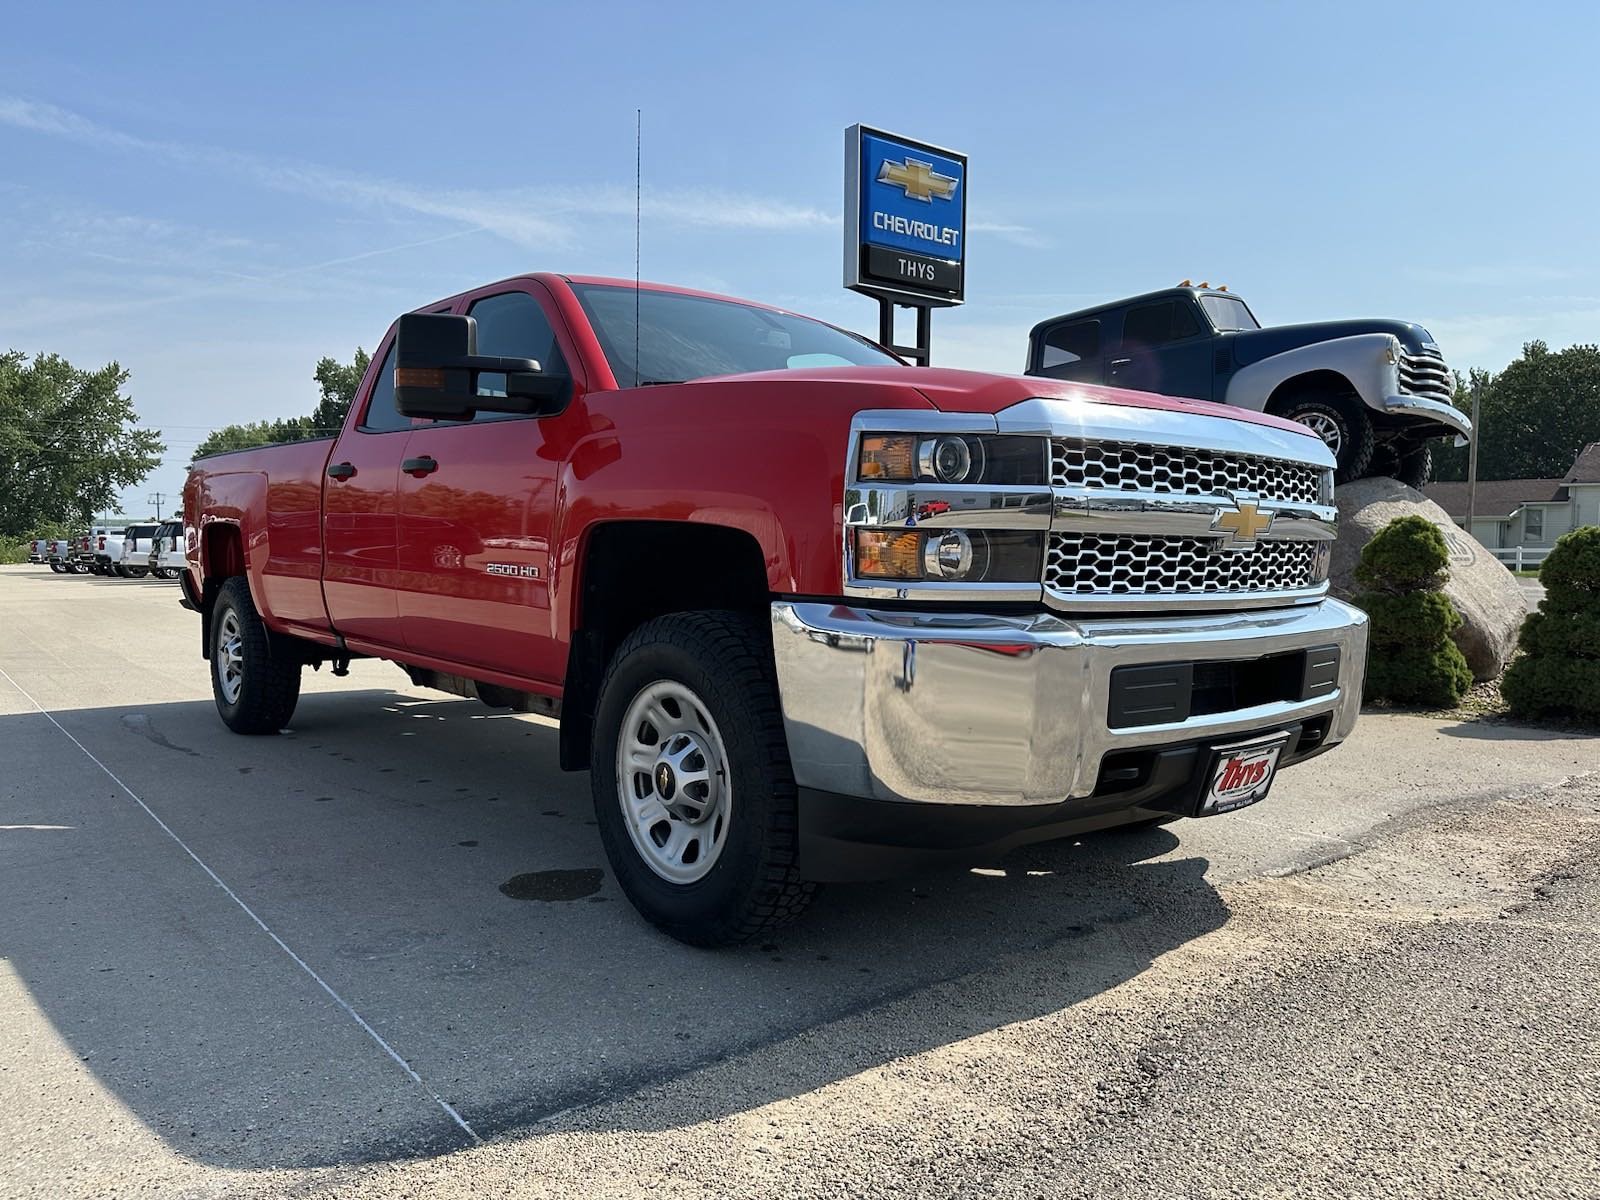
1559,671
1411,657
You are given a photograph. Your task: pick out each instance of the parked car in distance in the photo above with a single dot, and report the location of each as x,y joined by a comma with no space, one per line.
1376,391
100,549
166,558
59,553
805,613
133,557
38,550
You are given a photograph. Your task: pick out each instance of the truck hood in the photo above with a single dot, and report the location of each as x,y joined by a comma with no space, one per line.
1253,345
951,390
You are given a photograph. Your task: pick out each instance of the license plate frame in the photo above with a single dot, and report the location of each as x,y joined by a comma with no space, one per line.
1250,785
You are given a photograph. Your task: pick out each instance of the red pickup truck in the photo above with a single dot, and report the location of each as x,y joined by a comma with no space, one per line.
805,613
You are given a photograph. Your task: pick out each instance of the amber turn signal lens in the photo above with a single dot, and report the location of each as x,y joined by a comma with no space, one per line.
418,377
888,456
888,554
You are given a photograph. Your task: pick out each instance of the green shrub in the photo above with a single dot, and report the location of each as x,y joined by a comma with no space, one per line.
1411,658
1559,671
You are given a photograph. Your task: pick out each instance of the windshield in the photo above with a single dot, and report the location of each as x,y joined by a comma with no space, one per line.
1229,312
690,337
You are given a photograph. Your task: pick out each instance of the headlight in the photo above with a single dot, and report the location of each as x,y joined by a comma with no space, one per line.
1393,352
951,458
949,555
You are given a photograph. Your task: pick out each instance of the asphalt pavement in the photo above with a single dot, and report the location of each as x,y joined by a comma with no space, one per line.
381,954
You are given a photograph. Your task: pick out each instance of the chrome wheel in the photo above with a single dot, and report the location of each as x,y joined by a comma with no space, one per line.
1325,427
672,782
230,656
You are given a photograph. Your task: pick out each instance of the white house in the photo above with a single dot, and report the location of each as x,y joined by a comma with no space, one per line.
1531,513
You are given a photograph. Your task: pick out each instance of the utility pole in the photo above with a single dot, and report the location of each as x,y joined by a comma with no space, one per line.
1472,458
160,496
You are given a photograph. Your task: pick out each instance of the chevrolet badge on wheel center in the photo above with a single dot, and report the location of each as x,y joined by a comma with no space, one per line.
804,613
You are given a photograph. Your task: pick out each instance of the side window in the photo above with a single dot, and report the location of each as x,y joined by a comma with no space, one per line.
513,324
1533,524
1157,324
381,416
1070,343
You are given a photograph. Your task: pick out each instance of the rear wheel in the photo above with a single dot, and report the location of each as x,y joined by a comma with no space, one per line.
693,792
255,690
1342,424
136,572
58,568
1416,467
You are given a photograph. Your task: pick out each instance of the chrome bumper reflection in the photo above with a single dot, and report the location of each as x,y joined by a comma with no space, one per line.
1433,410
965,708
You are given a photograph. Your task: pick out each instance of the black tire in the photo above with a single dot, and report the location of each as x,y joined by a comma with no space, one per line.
1416,467
268,685
1342,416
725,660
120,571
137,572
58,568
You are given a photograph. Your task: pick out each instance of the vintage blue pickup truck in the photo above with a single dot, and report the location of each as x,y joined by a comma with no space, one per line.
1376,391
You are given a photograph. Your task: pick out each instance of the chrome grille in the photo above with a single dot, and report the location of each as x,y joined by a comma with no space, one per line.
1083,564
1172,470
1425,374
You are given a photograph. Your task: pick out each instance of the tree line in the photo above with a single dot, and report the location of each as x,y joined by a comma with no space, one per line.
71,440
1534,416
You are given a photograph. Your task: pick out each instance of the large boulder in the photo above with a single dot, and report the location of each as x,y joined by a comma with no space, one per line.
1486,595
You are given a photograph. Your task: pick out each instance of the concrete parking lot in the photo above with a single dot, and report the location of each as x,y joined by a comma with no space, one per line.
381,953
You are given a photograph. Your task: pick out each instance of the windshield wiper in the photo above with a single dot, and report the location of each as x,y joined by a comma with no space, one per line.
658,382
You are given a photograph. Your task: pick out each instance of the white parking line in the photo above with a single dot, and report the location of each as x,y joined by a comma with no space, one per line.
249,912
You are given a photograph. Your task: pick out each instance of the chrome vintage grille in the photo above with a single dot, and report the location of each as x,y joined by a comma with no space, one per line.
1426,375
1080,564
1141,467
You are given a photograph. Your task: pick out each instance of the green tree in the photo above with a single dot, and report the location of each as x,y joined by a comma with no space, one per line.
338,382
70,440
255,433
1412,658
1559,671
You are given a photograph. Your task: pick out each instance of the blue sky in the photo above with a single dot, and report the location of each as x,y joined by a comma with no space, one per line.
216,197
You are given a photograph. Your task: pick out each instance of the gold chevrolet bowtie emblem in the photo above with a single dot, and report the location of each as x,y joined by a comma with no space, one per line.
919,179
1245,523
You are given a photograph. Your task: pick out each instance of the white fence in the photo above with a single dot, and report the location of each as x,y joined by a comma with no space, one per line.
1521,558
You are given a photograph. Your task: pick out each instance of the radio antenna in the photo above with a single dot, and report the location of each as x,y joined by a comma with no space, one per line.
638,191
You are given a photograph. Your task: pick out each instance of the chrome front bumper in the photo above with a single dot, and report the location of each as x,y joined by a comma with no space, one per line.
1432,410
987,709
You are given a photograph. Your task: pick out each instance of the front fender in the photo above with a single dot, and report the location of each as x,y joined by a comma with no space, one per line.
1358,359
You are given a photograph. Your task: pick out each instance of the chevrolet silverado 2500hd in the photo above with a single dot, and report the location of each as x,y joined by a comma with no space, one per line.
805,613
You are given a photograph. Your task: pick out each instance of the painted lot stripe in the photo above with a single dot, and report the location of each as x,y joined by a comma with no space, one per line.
250,912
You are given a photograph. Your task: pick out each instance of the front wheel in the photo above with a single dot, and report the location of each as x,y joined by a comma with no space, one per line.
255,690
1344,427
694,796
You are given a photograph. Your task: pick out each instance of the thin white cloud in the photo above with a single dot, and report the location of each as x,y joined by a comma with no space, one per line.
534,218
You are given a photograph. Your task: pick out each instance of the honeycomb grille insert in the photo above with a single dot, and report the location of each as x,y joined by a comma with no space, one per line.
1171,470
1082,564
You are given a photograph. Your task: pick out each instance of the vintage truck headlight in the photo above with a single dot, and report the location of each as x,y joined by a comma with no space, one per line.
1393,352
949,555
951,458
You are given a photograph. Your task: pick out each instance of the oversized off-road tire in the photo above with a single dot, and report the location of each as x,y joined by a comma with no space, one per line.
1416,467
255,690
1343,425
693,792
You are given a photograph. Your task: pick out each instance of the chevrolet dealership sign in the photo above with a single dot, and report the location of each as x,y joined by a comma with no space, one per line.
905,218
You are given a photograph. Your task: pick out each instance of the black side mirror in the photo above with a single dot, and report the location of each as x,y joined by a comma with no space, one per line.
436,371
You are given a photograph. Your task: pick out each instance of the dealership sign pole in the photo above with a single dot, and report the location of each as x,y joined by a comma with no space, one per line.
905,229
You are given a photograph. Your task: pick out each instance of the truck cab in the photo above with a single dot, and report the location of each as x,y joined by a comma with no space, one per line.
1375,391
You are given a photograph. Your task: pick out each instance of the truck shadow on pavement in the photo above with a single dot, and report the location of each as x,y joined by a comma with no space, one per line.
374,838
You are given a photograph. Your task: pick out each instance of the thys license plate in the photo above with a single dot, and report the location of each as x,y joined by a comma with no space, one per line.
1241,774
